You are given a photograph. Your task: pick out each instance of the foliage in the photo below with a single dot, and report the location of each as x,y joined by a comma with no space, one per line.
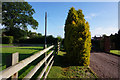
97,45
116,39
39,34
59,38
16,32
104,35
18,14
39,40
33,34
51,40
77,38
7,39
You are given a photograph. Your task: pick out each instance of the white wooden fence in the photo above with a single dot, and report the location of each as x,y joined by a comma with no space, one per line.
16,66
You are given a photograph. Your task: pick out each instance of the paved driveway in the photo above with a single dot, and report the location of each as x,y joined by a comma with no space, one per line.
105,65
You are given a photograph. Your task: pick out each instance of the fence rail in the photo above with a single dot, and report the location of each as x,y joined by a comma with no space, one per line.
18,66
32,72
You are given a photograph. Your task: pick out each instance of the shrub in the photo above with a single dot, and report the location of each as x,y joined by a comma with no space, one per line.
77,38
7,39
39,40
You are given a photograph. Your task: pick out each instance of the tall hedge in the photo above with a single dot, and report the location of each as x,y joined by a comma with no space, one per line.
39,40
77,38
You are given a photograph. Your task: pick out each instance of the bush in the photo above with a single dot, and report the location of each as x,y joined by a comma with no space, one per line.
7,39
39,40
77,38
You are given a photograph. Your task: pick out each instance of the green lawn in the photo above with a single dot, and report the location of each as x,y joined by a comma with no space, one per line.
24,52
60,69
6,44
115,52
23,44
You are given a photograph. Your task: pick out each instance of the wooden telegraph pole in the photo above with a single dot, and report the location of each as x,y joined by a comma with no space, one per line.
45,45
45,28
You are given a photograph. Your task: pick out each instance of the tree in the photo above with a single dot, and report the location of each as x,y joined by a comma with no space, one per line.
28,33
77,38
50,39
104,35
18,14
116,39
119,32
39,34
59,39
17,33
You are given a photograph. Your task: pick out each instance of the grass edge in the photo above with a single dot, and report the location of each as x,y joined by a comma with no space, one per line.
92,72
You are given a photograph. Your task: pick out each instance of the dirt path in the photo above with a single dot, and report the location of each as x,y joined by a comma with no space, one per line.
105,65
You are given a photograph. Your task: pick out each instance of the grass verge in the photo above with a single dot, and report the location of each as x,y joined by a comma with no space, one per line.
24,52
60,69
117,52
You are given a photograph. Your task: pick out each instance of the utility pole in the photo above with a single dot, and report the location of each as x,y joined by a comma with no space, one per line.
45,45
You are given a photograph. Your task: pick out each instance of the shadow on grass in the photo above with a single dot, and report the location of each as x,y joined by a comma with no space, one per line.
7,61
68,69
61,60
33,45
29,67
6,57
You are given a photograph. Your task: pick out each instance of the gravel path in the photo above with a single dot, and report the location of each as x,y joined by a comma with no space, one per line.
105,65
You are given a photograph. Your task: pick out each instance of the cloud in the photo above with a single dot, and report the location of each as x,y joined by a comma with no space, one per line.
90,16
103,30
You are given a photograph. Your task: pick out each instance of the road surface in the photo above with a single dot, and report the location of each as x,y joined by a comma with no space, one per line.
105,65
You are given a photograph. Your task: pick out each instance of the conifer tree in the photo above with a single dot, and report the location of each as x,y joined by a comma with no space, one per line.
77,38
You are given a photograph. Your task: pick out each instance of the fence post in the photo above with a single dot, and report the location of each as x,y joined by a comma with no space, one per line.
15,59
58,47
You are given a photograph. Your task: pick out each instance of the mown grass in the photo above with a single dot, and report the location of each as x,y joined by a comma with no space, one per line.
117,52
6,44
61,69
24,52
23,45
